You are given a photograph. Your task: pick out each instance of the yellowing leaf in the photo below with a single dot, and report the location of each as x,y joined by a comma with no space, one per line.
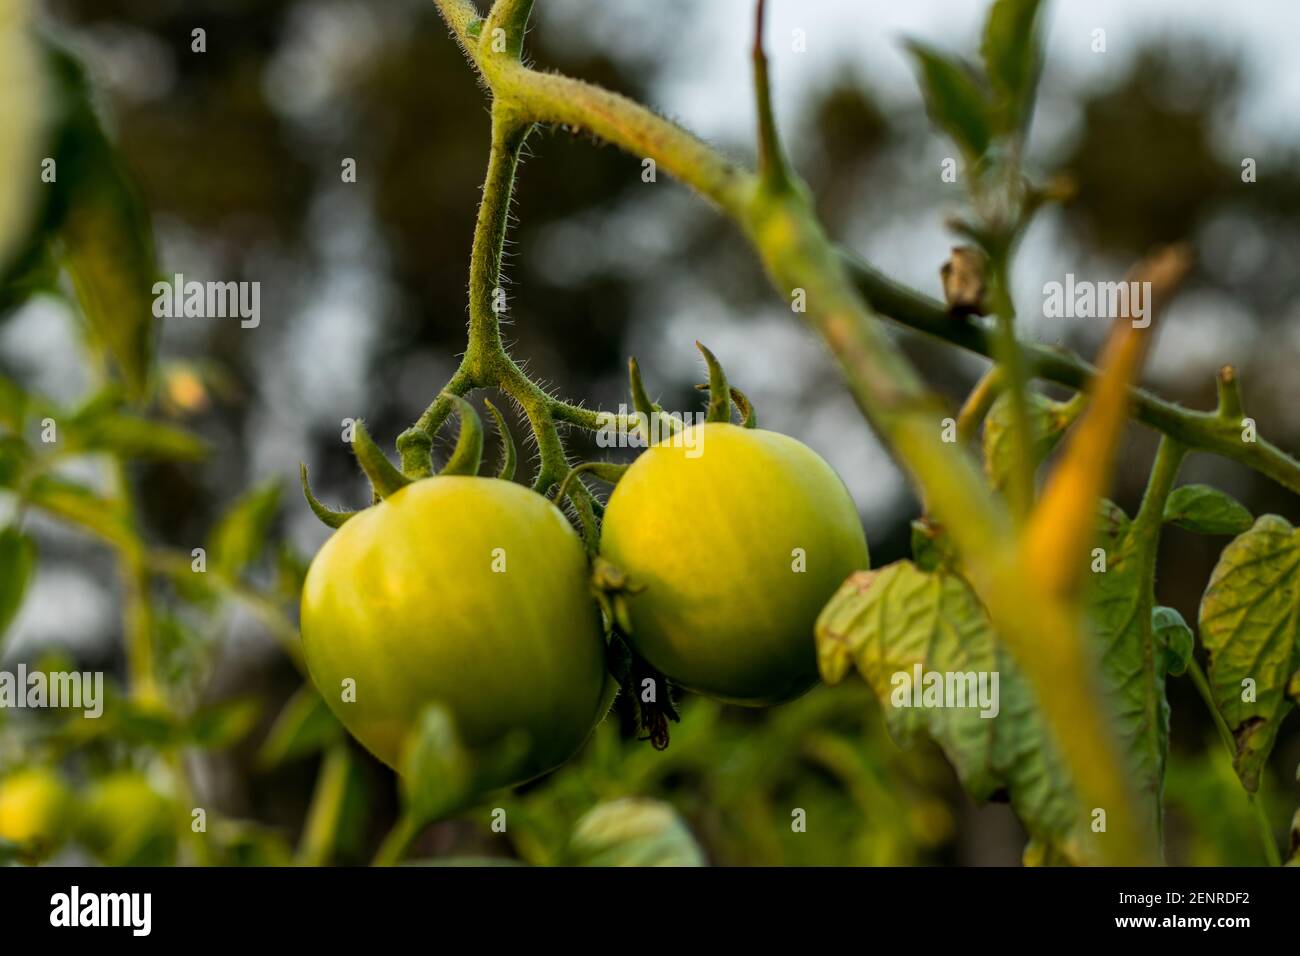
1250,623
25,108
889,624
634,832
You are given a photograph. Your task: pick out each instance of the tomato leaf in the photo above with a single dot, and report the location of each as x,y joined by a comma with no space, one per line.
890,622
1120,608
82,507
1012,60
17,560
1206,510
25,103
954,99
241,533
633,832
104,231
13,405
437,775
1047,420
1250,623
1174,636
129,436
223,724
304,726
472,861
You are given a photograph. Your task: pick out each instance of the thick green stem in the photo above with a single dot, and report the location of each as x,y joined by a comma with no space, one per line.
1199,431
510,17
320,833
1020,484
551,98
1146,530
487,302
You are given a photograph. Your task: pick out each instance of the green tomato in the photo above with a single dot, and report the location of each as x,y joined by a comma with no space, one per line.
739,537
124,821
469,592
35,809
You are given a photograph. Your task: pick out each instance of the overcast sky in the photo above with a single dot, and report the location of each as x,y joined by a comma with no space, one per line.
708,85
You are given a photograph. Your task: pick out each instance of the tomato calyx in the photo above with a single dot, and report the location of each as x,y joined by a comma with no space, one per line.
386,479
654,713
647,697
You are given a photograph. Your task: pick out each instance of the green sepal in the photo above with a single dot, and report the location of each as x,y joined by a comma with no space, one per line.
468,453
384,477
329,517
748,419
507,470
719,393
606,471
641,404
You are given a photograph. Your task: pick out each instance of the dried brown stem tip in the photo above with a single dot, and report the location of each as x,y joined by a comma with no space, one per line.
964,285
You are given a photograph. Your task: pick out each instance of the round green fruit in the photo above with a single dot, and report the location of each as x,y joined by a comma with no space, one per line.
35,809
468,592
739,537
124,821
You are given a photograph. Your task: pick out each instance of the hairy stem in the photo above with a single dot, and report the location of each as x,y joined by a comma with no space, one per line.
1199,431
486,295
1146,529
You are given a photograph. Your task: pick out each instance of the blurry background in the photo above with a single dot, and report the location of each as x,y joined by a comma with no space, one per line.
238,150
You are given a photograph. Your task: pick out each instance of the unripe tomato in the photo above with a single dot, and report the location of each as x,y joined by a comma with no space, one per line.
737,546
469,592
35,809
124,821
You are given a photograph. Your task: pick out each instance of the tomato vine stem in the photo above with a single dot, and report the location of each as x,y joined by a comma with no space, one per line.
1208,431
1146,531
